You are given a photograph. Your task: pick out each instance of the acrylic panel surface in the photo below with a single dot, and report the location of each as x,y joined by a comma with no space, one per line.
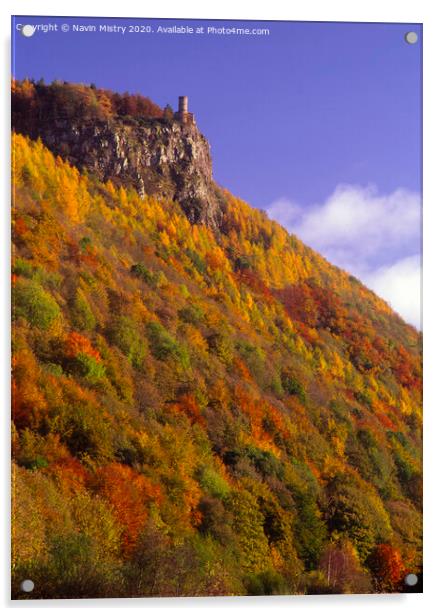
216,308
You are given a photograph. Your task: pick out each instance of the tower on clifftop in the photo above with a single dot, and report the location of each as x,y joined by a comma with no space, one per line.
183,115
183,104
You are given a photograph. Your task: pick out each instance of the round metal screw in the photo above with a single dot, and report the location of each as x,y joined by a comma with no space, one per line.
411,579
411,38
28,30
27,585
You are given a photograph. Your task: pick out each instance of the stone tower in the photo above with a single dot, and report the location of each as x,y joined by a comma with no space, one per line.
183,105
183,115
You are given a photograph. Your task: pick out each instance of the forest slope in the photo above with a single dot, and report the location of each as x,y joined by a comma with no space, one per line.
198,412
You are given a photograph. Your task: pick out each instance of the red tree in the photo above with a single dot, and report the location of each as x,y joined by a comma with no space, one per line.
130,494
387,568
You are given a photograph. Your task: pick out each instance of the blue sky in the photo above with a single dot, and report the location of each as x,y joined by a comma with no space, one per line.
314,122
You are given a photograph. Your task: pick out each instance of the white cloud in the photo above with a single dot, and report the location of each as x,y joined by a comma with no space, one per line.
373,236
400,285
285,211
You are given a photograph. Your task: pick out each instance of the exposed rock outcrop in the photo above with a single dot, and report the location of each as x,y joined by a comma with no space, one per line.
165,158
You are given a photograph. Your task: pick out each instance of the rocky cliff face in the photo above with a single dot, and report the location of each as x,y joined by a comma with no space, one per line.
168,159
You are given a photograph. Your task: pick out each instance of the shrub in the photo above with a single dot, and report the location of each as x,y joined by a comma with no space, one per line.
268,582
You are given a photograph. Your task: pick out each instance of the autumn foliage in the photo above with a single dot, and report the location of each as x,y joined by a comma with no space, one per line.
36,101
75,344
388,569
193,413
129,494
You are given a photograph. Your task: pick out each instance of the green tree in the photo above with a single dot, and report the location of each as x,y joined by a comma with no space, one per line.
126,335
248,525
358,512
35,304
164,346
83,318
